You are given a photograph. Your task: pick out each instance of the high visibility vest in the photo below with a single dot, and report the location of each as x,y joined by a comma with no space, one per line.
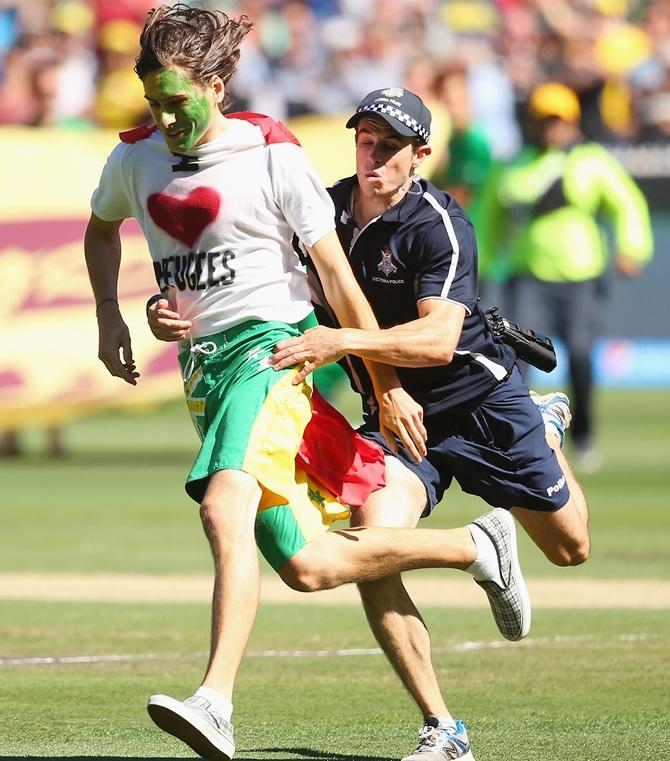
545,211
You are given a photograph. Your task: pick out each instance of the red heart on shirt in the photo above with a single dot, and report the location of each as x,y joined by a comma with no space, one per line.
185,218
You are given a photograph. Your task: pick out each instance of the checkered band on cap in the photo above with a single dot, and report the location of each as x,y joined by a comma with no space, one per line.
401,116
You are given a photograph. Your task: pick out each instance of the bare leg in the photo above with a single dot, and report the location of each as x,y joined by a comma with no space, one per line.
228,513
563,535
375,557
364,554
393,618
404,638
202,721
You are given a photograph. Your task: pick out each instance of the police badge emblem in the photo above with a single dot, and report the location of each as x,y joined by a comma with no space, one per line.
386,265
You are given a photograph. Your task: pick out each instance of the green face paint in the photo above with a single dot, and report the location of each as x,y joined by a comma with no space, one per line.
183,111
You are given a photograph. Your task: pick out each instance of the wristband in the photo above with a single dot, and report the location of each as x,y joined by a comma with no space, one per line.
100,303
156,297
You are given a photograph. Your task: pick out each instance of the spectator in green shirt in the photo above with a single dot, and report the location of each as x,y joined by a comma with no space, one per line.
467,161
541,219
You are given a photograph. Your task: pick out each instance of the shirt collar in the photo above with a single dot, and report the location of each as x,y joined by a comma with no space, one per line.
402,211
399,213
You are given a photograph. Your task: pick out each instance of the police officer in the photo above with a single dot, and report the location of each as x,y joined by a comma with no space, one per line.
413,252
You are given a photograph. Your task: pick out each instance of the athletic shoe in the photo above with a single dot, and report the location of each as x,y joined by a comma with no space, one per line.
442,742
555,409
510,604
196,723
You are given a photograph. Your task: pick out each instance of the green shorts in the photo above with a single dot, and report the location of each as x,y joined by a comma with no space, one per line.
251,417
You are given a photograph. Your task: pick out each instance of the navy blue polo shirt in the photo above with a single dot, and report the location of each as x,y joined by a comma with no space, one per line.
422,248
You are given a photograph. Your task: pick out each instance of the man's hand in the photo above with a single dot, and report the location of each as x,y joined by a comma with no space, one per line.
401,419
114,349
166,324
318,346
627,266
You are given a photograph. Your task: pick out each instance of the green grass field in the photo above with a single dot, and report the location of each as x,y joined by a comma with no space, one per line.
587,685
117,502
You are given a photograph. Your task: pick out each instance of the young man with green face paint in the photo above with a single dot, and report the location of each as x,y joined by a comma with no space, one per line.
219,199
186,113
477,413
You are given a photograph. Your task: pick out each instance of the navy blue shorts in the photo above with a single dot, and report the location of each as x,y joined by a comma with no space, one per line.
496,450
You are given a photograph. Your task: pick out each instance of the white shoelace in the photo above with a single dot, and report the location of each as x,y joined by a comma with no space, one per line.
428,737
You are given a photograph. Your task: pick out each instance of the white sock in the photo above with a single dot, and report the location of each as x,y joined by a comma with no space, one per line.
218,700
485,567
445,722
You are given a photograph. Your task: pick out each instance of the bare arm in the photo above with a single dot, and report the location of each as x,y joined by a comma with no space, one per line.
340,287
102,249
428,341
399,414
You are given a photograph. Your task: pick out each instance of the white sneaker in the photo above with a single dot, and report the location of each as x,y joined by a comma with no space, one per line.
555,409
510,603
195,723
442,742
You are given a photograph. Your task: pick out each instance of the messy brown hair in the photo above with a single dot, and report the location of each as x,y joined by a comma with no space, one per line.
201,42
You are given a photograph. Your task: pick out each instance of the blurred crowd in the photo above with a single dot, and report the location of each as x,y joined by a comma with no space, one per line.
69,62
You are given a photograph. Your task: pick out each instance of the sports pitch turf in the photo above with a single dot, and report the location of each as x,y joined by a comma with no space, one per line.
587,685
117,502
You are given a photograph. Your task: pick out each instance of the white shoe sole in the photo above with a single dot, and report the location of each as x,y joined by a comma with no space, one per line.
185,724
436,754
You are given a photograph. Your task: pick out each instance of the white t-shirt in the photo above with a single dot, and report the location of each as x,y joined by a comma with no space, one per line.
220,230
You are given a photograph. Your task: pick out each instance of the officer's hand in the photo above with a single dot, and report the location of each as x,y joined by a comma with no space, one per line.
318,346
